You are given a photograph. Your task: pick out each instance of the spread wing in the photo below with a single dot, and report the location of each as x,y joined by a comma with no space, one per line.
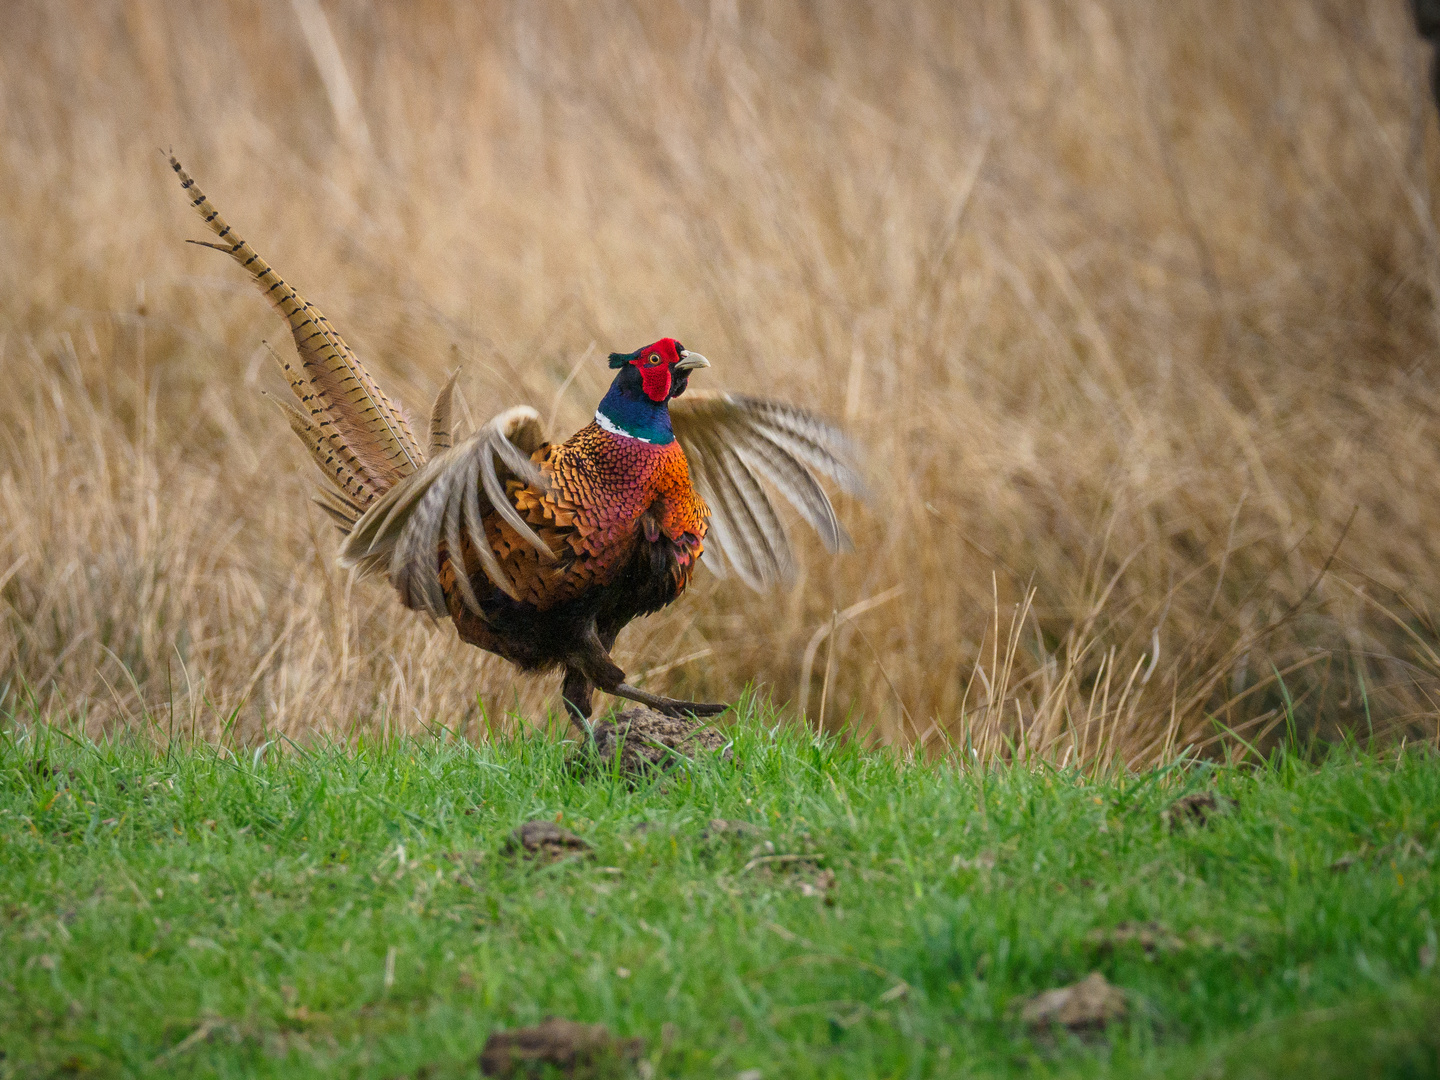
735,446
402,531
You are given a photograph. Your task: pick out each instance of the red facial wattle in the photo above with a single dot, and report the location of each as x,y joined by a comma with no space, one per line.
656,379
654,364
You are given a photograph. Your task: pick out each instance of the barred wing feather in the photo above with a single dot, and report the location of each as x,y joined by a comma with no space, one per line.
401,532
442,431
732,444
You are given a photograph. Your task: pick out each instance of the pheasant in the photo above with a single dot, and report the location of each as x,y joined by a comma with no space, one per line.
542,552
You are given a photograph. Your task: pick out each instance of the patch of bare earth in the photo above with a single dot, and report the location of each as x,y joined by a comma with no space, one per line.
1088,1005
545,840
1151,937
574,1049
639,742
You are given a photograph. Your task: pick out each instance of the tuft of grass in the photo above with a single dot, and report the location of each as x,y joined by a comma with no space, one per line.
1133,306
334,909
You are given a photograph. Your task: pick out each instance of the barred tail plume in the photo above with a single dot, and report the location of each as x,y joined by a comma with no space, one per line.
357,435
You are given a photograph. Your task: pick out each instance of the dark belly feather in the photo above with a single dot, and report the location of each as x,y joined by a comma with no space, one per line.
537,639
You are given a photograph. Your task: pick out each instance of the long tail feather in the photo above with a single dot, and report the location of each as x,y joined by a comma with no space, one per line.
363,428
339,464
336,467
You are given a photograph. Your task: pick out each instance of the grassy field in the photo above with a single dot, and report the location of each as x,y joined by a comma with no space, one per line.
1135,311
350,911
1132,306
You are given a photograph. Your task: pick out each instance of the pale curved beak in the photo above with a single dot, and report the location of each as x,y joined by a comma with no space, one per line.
690,361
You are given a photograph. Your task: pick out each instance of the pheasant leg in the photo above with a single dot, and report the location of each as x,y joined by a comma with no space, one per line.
577,694
593,667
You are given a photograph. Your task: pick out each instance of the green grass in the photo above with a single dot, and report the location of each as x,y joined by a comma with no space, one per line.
349,911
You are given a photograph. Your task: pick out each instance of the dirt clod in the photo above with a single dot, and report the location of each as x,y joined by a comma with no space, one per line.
575,1049
1197,809
645,742
1086,1005
1152,937
821,887
544,839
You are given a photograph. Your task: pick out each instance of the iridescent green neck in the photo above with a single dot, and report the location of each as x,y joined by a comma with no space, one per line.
627,410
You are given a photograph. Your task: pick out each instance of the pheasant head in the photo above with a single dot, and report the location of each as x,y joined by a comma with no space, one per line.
636,404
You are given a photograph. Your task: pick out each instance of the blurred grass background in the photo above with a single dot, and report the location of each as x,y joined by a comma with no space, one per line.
1133,305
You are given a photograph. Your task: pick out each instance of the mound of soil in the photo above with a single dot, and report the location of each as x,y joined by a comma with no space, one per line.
544,840
1089,1004
644,742
574,1049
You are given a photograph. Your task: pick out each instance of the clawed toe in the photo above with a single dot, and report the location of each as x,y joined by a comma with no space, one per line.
703,708
688,710
672,707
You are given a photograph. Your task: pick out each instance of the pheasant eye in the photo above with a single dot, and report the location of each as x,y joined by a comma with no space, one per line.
654,359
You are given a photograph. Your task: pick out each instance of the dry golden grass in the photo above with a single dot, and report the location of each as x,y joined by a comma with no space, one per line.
1133,304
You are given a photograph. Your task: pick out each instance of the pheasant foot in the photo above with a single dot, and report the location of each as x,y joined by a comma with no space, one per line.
668,706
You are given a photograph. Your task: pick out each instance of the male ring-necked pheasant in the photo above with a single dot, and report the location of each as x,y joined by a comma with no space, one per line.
542,552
